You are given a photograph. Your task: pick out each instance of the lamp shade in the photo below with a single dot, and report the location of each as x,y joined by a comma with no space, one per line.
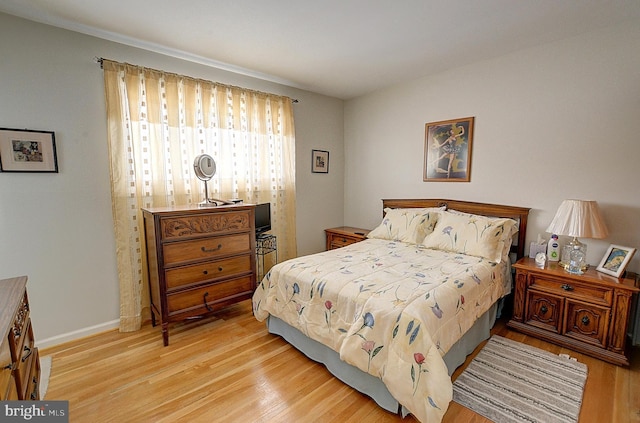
579,218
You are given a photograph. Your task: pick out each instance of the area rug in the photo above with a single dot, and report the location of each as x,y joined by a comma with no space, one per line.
45,373
512,382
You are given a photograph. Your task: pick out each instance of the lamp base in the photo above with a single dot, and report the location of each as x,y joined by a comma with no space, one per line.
568,262
565,266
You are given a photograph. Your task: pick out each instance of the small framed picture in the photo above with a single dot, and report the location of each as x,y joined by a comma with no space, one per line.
25,150
615,260
319,161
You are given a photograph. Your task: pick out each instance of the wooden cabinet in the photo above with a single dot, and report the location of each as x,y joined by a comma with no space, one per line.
344,235
588,313
198,260
19,359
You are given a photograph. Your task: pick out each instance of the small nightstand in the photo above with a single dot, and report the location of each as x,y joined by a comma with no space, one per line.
588,313
266,244
344,235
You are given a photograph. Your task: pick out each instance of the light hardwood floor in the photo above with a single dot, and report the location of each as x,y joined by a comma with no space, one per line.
227,368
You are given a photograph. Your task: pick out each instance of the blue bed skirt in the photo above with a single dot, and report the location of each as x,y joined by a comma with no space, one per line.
371,385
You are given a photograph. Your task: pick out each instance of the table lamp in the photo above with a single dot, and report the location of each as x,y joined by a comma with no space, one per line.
577,218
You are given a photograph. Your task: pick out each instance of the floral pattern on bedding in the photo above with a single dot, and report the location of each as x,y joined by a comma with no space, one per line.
390,308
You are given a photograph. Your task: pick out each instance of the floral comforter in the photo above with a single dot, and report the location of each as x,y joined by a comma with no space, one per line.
391,309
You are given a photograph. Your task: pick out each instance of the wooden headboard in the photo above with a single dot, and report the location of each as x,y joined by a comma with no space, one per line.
519,214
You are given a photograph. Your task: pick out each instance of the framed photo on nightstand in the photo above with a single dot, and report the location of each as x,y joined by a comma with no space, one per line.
615,260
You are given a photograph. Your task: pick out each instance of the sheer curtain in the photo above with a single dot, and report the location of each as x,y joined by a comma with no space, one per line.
158,123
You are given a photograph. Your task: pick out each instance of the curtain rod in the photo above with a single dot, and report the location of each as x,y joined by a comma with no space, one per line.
100,60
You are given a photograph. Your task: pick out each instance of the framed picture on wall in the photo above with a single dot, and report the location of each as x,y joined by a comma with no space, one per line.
319,161
447,150
615,260
25,150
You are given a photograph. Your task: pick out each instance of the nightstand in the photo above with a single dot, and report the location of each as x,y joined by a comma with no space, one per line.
588,313
344,235
266,244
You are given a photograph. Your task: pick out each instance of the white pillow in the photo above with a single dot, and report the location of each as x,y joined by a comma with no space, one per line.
473,235
407,225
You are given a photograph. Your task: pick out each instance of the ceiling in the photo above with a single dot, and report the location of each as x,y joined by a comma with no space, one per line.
340,48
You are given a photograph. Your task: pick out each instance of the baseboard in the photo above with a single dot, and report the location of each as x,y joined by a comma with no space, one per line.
77,334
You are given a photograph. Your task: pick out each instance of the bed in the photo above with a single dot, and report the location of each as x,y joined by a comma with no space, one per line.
395,314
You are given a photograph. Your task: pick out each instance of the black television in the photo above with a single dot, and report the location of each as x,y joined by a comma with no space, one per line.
263,218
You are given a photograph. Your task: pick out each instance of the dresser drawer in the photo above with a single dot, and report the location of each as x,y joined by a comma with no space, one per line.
33,391
587,323
205,224
572,289
344,235
338,241
544,310
24,363
192,302
205,248
180,276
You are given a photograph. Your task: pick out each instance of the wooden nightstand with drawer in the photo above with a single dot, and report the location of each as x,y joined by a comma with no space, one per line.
344,235
588,313
199,260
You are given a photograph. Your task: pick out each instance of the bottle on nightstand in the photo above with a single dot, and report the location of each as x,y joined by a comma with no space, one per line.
553,248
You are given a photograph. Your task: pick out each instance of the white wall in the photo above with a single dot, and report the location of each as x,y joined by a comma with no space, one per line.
57,228
554,122
319,196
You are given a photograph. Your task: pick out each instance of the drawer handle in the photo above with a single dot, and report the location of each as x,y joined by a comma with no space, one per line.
34,393
211,250
204,298
206,272
544,309
29,351
567,287
585,320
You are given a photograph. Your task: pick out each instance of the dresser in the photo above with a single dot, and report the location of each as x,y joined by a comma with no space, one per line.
588,313
19,360
199,260
343,236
